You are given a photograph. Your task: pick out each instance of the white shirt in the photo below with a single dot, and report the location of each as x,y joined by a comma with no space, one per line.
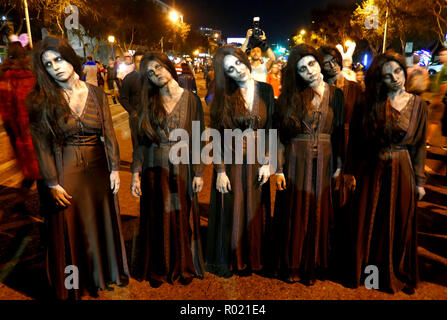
124,70
91,74
259,73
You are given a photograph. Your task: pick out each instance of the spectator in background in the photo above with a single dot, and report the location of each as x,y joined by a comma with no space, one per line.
418,79
125,68
129,96
186,78
91,71
259,68
436,115
117,61
16,81
359,75
100,73
112,80
131,86
274,79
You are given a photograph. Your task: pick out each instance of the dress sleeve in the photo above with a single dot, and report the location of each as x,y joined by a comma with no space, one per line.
270,104
112,147
45,156
198,116
338,133
418,149
125,94
139,149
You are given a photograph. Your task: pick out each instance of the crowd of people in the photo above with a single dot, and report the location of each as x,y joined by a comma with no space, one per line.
351,155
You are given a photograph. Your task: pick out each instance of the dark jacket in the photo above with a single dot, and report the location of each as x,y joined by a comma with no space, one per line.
187,81
130,92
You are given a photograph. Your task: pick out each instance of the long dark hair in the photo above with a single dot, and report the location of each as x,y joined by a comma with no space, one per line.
294,97
228,101
151,112
45,101
376,94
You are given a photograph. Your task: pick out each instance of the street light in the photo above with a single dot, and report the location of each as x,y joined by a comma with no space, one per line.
173,15
196,53
111,40
303,32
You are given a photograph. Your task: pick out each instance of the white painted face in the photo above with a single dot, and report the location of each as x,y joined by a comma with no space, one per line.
393,76
236,69
158,74
57,67
309,69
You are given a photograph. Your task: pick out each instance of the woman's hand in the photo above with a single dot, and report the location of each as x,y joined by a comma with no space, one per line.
336,173
280,182
197,184
420,192
135,186
60,196
264,174
350,182
115,181
223,183
385,155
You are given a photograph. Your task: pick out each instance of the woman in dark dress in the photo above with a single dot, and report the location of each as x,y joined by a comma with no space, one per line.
344,185
78,157
391,145
310,122
239,217
170,248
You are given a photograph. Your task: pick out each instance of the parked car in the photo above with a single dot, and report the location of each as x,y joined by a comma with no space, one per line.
434,67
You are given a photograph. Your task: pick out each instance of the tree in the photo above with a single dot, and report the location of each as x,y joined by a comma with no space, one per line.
331,25
368,21
438,10
404,19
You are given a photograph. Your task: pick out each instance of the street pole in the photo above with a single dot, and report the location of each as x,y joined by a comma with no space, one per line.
113,53
384,33
28,26
161,43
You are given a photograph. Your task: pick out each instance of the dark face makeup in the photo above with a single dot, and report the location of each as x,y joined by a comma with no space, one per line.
330,66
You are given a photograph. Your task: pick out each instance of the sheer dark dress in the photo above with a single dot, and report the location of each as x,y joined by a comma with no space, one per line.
239,222
86,234
303,212
169,240
386,200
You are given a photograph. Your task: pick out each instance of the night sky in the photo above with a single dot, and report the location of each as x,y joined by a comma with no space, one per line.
279,18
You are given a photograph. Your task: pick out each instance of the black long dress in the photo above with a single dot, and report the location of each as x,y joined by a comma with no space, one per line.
169,239
239,222
303,212
86,234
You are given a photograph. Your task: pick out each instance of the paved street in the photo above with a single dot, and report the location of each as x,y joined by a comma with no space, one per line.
22,272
